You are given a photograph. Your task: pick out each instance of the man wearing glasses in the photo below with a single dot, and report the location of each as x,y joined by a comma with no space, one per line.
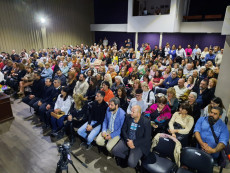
137,101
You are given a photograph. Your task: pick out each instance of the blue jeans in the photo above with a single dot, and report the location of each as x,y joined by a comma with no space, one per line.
89,136
57,124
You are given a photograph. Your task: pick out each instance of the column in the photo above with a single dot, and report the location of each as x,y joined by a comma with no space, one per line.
44,39
136,41
160,40
223,83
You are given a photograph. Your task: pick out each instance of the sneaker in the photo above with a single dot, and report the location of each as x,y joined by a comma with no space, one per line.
88,147
83,144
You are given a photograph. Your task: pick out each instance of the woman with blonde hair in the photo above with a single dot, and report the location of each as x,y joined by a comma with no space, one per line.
167,72
77,116
132,91
108,78
212,85
27,80
172,101
147,95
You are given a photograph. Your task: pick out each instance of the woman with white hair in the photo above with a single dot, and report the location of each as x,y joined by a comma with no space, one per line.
118,83
147,95
108,78
194,106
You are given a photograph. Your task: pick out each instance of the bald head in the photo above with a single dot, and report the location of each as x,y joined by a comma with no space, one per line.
136,112
181,82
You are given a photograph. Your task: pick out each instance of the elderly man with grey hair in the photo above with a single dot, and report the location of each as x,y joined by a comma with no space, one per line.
111,128
195,112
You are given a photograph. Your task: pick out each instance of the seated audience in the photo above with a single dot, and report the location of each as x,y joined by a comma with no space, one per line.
181,124
91,92
48,104
62,106
78,115
204,135
136,138
137,101
159,113
108,92
121,95
37,90
61,77
203,94
148,95
215,102
111,127
71,82
81,86
118,83
92,127
172,101
181,91
26,81
195,108
47,72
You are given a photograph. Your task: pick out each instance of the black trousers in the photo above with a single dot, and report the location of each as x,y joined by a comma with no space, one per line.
122,150
29,101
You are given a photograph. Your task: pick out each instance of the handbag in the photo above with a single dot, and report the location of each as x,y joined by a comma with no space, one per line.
58,115
224,157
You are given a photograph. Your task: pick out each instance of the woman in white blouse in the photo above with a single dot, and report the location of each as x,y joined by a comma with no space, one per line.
63,105
147,95
181,124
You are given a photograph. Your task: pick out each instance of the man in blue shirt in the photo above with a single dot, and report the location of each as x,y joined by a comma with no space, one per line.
170,81
210,56
204,134
111,128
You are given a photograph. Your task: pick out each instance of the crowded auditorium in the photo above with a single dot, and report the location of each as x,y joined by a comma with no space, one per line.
114,86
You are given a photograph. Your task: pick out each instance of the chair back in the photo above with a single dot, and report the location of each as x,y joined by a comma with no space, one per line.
197,159
165,148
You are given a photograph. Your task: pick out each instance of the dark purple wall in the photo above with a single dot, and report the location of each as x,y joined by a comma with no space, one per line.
202,39
118,37
110,11
151,38
182,39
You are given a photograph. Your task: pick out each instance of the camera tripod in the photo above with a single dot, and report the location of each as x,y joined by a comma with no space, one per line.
63,164
65,159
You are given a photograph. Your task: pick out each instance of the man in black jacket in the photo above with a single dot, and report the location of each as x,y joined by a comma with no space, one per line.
45,95
49,103
37,89
61,77
204,96
95,119
136,138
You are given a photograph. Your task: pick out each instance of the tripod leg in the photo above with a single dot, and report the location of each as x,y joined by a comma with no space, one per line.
71,162
79,160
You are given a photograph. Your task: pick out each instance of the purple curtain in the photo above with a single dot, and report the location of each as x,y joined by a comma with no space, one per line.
118,37
151,38
183,39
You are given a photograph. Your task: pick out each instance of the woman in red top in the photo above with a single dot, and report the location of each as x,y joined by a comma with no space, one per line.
157,79
108,92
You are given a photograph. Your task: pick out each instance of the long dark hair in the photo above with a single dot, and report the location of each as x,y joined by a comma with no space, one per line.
66,90
123,91
94,80
159,72
218,100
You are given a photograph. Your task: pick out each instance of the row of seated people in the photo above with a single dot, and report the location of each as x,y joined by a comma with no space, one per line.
134,131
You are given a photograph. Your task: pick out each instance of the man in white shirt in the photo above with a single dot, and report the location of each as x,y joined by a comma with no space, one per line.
81,86
181,90
105,42
218,58
137,101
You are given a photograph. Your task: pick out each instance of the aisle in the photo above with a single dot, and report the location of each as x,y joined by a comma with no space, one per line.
24,149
